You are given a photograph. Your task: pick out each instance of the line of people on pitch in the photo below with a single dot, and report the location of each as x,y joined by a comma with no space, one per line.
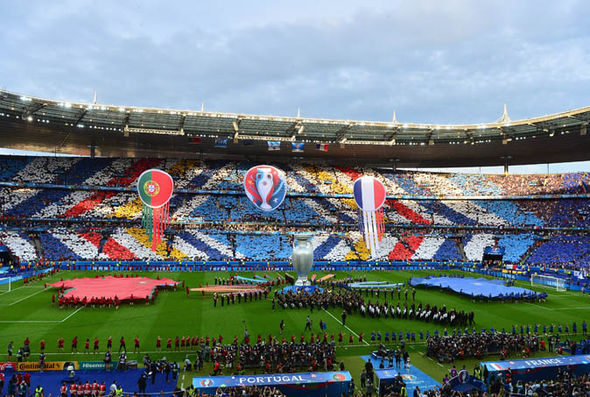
226,299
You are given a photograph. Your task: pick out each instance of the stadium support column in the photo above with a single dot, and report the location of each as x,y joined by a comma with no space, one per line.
93,147
506,159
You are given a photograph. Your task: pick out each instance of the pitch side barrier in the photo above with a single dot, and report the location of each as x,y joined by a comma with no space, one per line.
570,281
320,384
534,369
22,275
237,266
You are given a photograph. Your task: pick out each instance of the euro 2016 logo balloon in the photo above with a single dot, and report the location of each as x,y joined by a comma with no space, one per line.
265,186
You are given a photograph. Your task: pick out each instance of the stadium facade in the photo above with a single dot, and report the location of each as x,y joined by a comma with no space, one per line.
31,123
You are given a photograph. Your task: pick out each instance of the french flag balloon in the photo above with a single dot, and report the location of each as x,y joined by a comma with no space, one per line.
369,194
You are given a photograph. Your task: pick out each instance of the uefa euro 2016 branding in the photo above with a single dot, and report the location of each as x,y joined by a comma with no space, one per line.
265,186
463,376
207,382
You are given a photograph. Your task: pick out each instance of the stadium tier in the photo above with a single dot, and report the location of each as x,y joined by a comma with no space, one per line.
87,208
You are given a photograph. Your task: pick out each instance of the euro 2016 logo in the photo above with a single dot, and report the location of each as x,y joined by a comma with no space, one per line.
206,382
265,186
151,188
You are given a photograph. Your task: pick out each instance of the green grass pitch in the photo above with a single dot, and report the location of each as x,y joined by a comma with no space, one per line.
27,311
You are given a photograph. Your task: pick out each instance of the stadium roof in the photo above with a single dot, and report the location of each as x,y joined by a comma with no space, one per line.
30,123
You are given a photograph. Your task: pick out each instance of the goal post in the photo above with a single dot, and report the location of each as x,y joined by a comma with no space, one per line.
5,284
550,281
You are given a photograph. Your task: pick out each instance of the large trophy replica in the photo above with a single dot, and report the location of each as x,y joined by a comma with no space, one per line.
302,258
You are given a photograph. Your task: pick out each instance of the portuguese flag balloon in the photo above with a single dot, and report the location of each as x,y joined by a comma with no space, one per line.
155,188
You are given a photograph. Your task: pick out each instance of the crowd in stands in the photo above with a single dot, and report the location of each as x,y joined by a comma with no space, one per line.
91,212
246,391
565,384
287,356
476,345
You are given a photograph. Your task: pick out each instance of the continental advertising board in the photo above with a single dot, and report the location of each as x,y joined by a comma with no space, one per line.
49,366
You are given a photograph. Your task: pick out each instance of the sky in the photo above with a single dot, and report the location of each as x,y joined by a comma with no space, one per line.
429,61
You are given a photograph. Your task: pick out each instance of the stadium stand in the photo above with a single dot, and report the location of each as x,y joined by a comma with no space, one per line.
87,209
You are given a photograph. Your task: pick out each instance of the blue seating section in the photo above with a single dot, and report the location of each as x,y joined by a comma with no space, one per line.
211,251
261,247
571,213
448,251
326,247
55,249
562,250
39,201
515,245
509,211
10,166
210,210
296,211
475,184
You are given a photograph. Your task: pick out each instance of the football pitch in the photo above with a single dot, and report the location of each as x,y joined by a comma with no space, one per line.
27,311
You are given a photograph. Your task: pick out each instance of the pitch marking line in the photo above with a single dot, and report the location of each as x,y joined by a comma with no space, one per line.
22,286
26,297
573,308
42,321
430,358
540,307
346,326
71,314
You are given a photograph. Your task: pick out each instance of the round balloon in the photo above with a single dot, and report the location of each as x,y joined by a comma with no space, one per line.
369,193
155,188
265,186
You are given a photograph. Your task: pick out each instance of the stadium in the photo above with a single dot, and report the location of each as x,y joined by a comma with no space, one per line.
446,283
